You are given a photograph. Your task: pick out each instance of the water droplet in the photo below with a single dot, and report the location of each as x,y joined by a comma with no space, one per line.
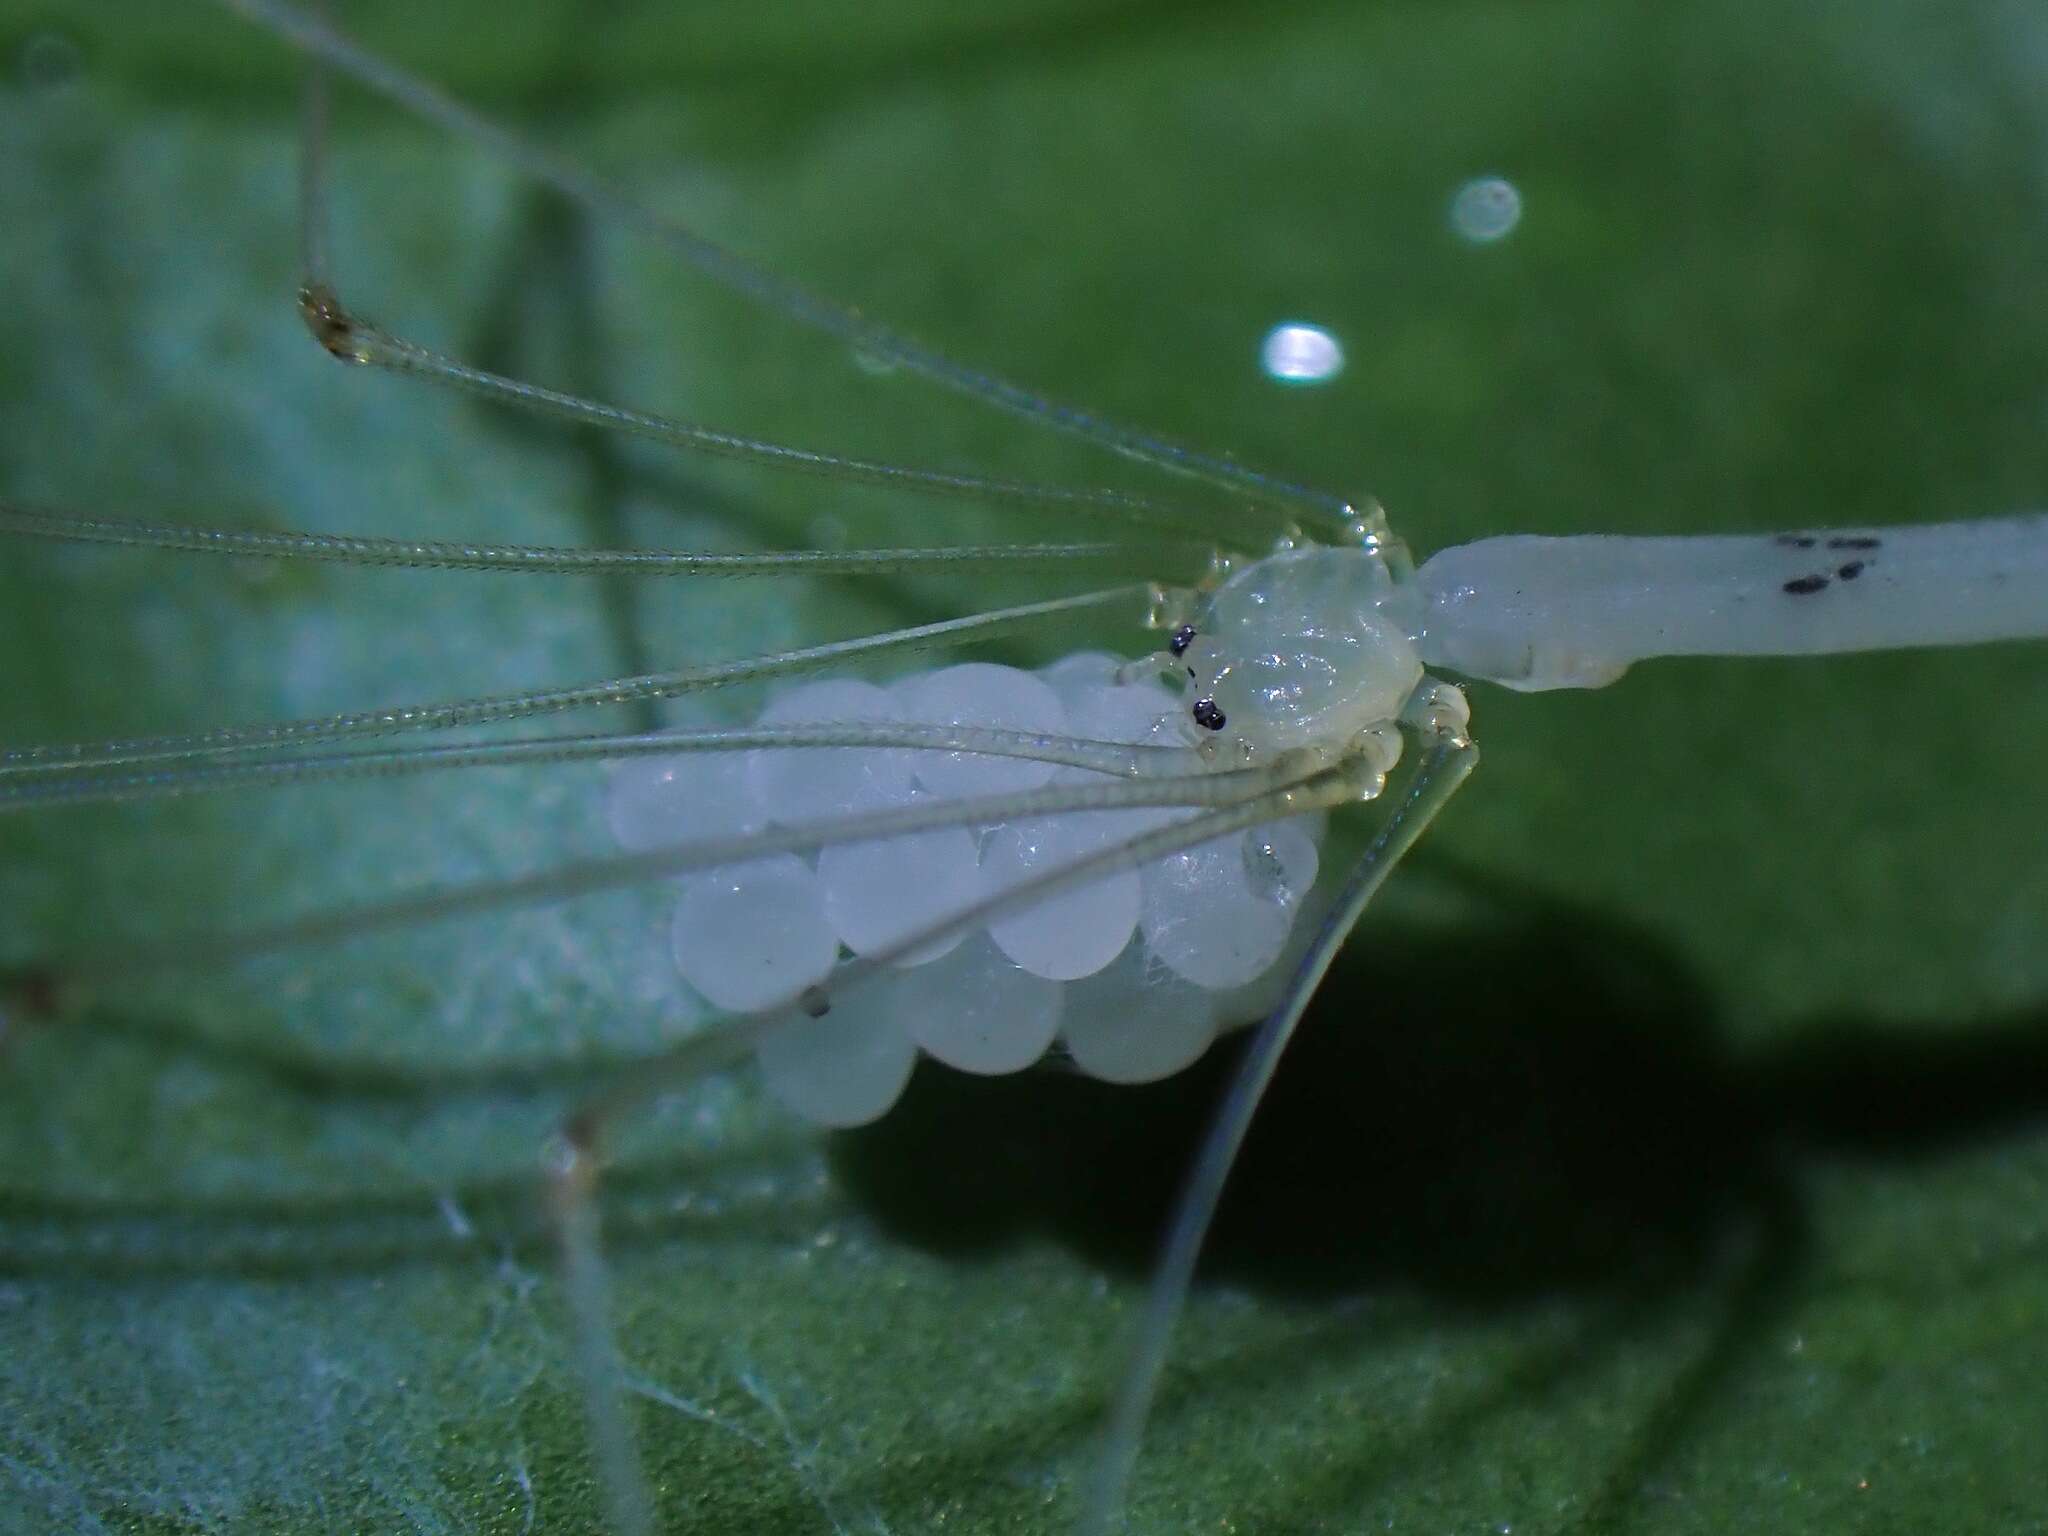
1485,209
1295,353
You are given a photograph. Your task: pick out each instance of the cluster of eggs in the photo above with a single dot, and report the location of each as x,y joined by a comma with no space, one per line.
1132,973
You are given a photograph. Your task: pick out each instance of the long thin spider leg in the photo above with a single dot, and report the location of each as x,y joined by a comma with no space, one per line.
1449,761
313,37
77,975
572,1204
573,1158
66,785
353,339
285,735
316,118
1159,561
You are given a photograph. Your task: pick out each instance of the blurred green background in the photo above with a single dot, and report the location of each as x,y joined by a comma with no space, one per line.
1668,1157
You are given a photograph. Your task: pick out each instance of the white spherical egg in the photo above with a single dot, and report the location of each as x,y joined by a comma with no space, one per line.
845,1068
658,802
752,936
879,893
1080,669
1220,913
978,1011
977,693
1136,1021
1106,710
1074,932
797,784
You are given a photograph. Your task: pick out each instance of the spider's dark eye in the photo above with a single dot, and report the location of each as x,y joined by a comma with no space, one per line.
1182,639
1207,715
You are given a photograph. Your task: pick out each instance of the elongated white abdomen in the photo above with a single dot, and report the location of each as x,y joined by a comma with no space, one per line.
1534,613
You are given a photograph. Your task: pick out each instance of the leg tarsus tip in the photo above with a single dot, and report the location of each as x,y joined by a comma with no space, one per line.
330,323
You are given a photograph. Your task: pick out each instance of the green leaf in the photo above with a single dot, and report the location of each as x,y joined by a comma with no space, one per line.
1665,1159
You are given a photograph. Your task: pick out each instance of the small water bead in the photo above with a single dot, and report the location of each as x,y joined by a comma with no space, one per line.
1298,354
879,893
657,802
978,1011
1486,209
978,693
795,784
1136,1021
752,936
845,1068
1219,914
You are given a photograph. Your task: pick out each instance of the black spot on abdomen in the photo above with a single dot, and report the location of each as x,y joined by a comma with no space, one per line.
1804,586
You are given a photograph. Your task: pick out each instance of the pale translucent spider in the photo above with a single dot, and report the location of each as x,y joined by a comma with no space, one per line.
133,876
